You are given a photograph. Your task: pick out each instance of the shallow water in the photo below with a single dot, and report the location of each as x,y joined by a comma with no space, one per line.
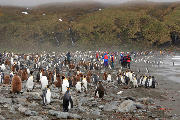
168,70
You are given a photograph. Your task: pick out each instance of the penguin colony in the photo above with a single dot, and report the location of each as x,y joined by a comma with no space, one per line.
53,70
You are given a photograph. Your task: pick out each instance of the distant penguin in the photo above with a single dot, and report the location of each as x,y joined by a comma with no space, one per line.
100,90
122,79
127,80
30,83
118,78
78,86
140,79
28,71
95,78
147,82
46,95
150,81
105,76
84,82
3,67
153,82
55,77
144,80
1,80
24,75
6,79
67,101
12,61
65,85
16,85
147,70
38,76
135,83
44,82
130,74
58,82
109,78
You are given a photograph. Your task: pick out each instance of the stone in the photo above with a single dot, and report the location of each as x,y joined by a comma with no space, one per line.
129,106
146,100
21,101
53,112
1,117
22,109
5,100
37,86
101,106
110,106
55,95
31,113
96,112
35,96
64,115
12,109
33,118
33,104
74,116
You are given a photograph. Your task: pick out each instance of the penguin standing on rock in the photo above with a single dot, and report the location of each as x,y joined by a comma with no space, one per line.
30,83
46,95
67,101
84,81
65,84
44,82
78,86
16,85
100,90
109,77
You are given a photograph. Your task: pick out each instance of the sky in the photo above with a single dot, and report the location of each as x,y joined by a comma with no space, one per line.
39,2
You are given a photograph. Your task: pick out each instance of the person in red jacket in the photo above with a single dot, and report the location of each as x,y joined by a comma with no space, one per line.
105,57
97,56
128,61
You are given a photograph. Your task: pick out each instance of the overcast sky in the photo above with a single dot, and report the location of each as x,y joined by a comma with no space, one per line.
38,2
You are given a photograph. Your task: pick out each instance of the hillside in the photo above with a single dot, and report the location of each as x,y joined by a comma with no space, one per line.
90,25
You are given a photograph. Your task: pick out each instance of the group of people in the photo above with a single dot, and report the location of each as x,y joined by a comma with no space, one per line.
124,60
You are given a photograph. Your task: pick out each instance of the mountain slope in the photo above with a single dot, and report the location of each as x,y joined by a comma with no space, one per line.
90,26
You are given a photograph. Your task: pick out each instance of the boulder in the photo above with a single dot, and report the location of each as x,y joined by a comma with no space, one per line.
146,100
5,100
31,113
129,106
64,115
110,106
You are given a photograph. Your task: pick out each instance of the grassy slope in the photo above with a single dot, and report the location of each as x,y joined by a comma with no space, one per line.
141,24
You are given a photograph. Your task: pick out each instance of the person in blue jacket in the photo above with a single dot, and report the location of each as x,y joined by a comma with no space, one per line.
105,57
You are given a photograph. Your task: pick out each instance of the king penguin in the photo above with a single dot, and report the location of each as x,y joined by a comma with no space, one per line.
46,95
30,83
67,101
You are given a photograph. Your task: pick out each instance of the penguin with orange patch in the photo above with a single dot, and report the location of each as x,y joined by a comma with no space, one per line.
67,101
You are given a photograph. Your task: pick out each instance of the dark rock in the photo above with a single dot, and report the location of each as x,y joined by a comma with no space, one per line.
64,115
31,113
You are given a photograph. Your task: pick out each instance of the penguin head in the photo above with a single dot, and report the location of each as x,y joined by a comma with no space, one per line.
47,86
68,88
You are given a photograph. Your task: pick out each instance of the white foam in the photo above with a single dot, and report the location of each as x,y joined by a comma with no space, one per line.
176,58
